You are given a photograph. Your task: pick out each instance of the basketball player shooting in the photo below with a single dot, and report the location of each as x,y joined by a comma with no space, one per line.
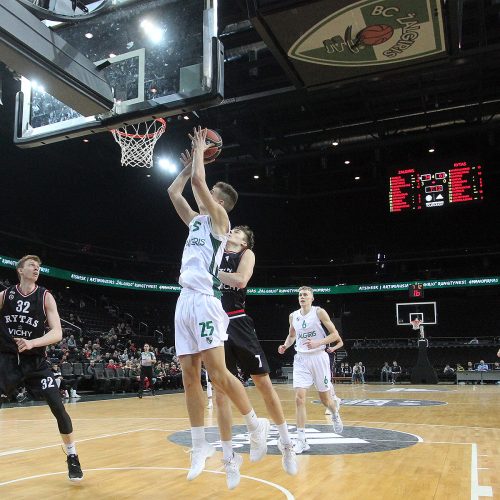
200,320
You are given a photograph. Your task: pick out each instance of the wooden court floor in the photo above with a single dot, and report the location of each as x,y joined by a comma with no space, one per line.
125,450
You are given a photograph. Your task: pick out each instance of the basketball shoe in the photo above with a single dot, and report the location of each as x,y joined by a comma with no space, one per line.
258,440
301,446
74,470
338,426
288,459
232,467
198,458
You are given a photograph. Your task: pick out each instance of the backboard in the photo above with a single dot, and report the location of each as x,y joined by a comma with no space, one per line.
161,58
426,312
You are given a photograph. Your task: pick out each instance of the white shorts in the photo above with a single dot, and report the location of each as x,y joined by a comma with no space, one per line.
309,369
200,323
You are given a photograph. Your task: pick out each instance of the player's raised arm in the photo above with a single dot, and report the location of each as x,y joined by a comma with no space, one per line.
242,276
185,212
218,215
2,300
292,336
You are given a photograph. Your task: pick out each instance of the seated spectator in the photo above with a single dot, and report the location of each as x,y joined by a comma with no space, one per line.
448,370
91,368
460,368
496,366
65,384
396,371
123,356
71,342
111,364
470,366
482,367
385,373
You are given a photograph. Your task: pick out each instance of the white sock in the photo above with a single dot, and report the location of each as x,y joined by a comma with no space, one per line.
251,421
198,436
70,449
284,435
227,449
301,434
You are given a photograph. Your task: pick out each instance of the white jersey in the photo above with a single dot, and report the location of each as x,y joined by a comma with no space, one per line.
307,327
202,257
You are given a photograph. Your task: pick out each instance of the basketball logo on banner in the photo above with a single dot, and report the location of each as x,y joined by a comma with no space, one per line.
374,32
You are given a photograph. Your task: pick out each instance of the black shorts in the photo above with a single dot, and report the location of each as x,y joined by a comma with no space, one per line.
31,371
243,348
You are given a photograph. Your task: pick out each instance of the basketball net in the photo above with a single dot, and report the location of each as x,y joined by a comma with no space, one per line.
137,142
416,323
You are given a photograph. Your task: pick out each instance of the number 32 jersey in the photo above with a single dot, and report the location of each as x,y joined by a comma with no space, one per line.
22,316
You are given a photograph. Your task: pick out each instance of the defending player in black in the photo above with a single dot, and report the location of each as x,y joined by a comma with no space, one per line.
25,310
243,349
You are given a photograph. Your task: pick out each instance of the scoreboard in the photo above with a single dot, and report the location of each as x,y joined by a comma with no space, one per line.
419,188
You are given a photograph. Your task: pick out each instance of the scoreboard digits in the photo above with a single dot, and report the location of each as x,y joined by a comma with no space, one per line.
411,189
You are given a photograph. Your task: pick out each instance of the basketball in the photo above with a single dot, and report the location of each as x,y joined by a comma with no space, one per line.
376,34
214,141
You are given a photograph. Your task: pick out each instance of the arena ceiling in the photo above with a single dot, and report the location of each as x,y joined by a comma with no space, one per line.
283,133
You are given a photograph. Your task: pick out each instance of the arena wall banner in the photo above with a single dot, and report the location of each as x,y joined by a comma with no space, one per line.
401,286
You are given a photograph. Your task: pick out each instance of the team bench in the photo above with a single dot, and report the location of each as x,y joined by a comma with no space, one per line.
337,380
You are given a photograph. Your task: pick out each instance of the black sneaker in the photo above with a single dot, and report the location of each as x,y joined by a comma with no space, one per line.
139,395
74,470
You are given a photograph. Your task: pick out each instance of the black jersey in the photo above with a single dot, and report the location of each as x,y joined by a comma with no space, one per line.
233,299
22,316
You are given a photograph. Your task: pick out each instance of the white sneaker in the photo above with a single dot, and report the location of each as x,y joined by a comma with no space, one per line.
198,457
328,412
210,404
66,395
301,446
258,440
288,459
338,426
232,467
74,394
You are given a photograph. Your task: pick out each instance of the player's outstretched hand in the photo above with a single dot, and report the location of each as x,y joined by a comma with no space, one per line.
23,344
186,158
329,350
198,139
282,349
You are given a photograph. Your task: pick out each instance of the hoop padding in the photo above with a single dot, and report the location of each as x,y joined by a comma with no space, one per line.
137,142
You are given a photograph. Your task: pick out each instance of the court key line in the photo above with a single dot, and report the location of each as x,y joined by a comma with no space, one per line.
476,490
102,436
288,494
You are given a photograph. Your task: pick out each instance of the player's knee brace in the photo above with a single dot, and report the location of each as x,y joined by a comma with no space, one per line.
62,417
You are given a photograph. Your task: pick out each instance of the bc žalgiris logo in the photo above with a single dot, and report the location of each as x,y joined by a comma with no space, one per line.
372,32
321,439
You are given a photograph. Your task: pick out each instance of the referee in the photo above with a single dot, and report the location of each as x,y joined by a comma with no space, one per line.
147,360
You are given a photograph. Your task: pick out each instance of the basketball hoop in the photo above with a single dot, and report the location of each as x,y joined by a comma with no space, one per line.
416,323
138,140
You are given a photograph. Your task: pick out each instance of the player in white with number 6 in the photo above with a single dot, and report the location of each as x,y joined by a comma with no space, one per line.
311,364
